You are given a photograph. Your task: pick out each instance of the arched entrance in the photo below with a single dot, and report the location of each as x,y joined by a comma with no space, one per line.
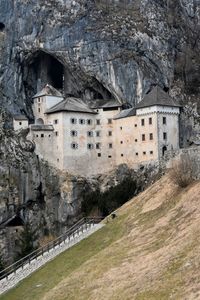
164,149
39,121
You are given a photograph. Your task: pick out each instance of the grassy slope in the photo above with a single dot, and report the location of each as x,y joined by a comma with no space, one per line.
150,251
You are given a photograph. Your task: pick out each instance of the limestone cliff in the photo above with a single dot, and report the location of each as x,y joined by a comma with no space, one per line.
91,49
98,48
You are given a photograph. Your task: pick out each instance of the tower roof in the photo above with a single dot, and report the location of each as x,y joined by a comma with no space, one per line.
157,97
48,90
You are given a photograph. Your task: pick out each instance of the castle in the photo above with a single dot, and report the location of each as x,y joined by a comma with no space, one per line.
93,138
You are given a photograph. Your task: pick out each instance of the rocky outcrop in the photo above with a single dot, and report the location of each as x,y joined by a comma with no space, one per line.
106,48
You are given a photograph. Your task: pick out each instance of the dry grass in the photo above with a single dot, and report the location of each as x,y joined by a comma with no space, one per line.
150,251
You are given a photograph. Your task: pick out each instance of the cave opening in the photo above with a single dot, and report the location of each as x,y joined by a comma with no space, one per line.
42,68
2,26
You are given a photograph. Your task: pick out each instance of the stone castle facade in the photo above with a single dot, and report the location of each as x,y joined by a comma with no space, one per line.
93,138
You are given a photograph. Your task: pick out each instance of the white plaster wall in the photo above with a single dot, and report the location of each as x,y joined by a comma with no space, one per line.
133,147
80,160
17,126
172,130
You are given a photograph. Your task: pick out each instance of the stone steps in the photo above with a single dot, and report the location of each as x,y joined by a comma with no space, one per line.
14,278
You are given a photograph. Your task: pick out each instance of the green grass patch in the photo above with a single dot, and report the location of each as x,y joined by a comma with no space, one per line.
46,278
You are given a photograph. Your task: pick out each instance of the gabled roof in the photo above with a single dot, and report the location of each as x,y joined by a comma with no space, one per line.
125,113
101,103
48,90
71,104
20,118
157,97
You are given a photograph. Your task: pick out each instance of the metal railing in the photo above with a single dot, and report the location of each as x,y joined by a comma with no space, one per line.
76,230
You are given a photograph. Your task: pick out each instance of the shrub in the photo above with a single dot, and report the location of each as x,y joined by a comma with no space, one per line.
27,242
111,199
184,170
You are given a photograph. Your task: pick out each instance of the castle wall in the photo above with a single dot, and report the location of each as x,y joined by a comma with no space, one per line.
20,124
131,148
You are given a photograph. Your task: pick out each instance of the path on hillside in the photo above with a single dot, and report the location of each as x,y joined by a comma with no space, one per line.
21,273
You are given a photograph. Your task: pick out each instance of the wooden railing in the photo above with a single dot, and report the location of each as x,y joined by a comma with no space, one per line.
76,230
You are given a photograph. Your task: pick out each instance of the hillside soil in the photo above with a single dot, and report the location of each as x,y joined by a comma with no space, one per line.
150,251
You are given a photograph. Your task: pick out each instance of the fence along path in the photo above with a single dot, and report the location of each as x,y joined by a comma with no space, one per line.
16,272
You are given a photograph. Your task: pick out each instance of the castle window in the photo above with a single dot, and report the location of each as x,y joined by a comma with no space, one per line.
55,121
74,145
109,133
136,140
56,133
151,152
81,121
165,136
38,109
98,133
135,125
164,121
98,146
98,121
110,145
150,121
20,123
90,146
122,155
109,156
99,154
89,122
42,135
38,99
73,133
151,136
142,122
120,128
143,137
49,135
136,153
73,120
121,142
90,134
144,153
109,121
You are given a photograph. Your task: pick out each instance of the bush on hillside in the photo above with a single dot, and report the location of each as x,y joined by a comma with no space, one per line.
184,170
27,242
110,200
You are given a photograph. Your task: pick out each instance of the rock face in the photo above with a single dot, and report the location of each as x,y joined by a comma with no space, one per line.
102,49
91,49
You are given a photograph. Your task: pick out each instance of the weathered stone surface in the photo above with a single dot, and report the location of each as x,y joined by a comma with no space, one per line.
106,48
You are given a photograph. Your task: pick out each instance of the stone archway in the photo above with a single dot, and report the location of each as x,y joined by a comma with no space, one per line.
39,121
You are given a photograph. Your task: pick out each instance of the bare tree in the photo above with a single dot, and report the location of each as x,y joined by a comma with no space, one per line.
184,170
